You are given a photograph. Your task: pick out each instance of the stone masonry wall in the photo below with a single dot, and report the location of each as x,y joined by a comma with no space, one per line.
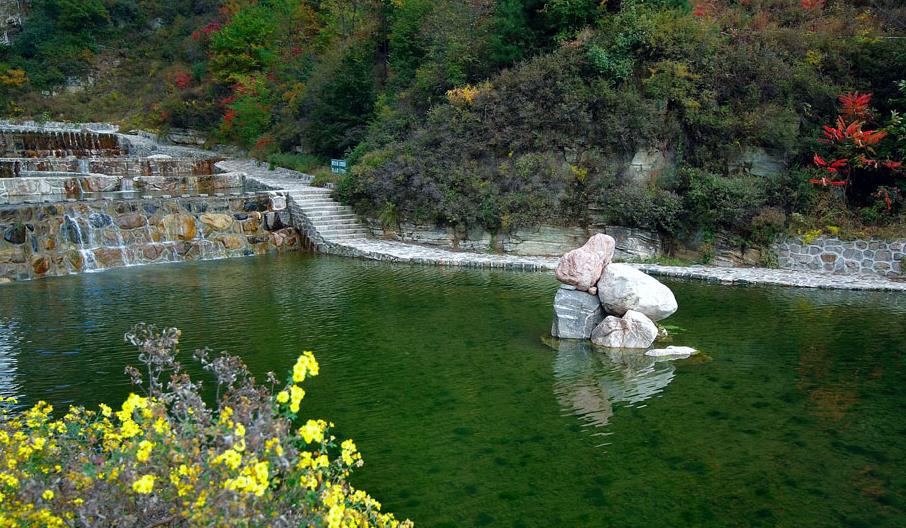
44,240
879,257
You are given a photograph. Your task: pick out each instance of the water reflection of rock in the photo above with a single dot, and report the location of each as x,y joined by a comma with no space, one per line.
591,380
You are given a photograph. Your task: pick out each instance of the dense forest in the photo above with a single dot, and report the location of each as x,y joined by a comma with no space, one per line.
509,113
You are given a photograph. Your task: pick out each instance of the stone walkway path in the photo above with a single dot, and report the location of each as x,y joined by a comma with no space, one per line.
315,213
776,277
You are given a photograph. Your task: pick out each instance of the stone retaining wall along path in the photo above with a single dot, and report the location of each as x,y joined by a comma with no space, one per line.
843,256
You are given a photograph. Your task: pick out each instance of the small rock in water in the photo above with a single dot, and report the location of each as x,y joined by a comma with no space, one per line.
583,267
633,330
672,351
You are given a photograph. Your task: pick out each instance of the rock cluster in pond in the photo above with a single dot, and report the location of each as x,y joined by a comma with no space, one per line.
614,305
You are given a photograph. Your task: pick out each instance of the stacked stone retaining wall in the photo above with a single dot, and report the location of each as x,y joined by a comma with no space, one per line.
881,257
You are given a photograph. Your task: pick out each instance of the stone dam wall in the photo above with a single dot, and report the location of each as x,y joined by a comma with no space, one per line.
44,240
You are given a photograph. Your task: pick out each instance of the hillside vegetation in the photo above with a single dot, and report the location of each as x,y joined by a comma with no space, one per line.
509,113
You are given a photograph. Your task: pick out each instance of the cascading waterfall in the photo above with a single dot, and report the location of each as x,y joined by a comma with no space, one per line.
74,232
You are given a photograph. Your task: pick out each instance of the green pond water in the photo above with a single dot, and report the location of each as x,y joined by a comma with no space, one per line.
795,415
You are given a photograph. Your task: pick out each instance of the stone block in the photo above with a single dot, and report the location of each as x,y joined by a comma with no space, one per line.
277,203
576,314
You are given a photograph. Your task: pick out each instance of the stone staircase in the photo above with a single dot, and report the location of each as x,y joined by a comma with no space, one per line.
325,219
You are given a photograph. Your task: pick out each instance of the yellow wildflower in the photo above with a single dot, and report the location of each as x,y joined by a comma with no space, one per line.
335,516
274,445
130,429
349,453
47,495
296,394
132,403
312,431
282,397
225,414
144,485
230,458
202,499
9,480
161,426
144,450
305,365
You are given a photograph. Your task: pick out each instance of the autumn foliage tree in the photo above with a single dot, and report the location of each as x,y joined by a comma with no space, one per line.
856,159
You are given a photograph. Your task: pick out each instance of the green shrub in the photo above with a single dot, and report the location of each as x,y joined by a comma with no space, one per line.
720,202
633,206
298,162
766,225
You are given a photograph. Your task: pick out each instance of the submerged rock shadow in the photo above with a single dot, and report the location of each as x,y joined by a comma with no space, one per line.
591,380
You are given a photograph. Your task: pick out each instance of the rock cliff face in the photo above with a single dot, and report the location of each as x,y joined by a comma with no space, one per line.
12,15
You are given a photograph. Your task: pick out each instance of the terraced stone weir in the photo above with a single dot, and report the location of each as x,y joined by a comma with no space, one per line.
81,200
468,416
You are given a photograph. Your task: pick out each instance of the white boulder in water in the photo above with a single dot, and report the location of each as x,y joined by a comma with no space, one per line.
583,267
633,330
623,288
576,314
678,352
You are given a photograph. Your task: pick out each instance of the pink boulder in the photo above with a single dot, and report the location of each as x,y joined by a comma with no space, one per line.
583,267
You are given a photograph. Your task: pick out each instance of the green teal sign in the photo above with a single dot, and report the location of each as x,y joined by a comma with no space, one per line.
338,166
